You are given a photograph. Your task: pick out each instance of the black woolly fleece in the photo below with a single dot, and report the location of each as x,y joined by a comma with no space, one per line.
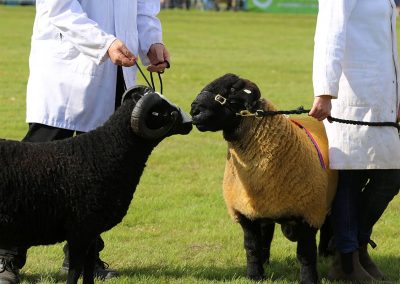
73,189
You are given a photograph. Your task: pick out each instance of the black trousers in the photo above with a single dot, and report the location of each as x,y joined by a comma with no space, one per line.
361,198
43,133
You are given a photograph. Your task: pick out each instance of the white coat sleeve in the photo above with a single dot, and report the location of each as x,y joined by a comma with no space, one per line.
149,27
75,26
329,45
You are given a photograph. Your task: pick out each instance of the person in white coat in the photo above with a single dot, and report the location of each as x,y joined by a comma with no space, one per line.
82,59
355,77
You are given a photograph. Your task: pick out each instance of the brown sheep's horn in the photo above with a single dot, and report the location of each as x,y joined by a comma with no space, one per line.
145,121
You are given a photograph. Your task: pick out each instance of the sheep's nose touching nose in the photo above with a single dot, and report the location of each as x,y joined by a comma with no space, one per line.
194,112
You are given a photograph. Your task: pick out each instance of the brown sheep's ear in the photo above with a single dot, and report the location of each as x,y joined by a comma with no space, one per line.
253,97
247,92
222,84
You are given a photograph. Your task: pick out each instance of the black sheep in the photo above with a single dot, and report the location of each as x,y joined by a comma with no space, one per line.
77,188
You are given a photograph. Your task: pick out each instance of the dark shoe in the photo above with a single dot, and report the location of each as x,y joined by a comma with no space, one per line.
368,264
8,272
347,267
101,270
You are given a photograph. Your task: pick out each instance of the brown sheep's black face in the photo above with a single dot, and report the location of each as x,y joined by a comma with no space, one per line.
216,106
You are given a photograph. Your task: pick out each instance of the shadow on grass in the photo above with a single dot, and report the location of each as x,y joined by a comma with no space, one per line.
156,271
286,270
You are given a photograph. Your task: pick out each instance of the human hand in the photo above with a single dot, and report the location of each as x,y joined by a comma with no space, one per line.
321,108
159,58
120,54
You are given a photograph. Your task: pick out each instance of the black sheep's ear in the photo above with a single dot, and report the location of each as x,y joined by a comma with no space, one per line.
135,93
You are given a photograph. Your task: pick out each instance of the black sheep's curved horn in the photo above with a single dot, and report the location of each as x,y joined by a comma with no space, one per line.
146,119
135,93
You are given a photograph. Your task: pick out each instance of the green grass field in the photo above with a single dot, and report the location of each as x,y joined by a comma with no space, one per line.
177,229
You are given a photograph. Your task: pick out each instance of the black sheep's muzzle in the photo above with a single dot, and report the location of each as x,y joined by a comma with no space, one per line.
155,117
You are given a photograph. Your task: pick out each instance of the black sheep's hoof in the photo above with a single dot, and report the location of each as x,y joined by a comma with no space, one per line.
309,275
256,278
255,272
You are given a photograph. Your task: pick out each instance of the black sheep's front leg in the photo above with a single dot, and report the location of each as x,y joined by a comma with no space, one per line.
88,269
253,247
77,258
307,253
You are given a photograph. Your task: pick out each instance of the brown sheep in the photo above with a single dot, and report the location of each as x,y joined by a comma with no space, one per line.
273,172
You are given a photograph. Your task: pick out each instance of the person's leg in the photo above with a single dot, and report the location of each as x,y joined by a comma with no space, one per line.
216,5
383,185
345,210
43,133
229,5
188,4
204,3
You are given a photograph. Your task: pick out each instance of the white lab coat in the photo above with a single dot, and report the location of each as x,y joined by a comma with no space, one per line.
72,80
355,60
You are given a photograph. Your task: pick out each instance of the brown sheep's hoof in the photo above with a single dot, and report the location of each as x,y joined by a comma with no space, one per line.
309,275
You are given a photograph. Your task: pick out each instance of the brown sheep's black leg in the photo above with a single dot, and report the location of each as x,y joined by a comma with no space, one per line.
267,233
253,246
325,247
307,253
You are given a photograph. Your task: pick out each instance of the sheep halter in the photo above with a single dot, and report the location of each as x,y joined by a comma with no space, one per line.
220,99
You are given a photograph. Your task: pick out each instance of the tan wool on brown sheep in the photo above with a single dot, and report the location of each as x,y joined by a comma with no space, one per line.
273,170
